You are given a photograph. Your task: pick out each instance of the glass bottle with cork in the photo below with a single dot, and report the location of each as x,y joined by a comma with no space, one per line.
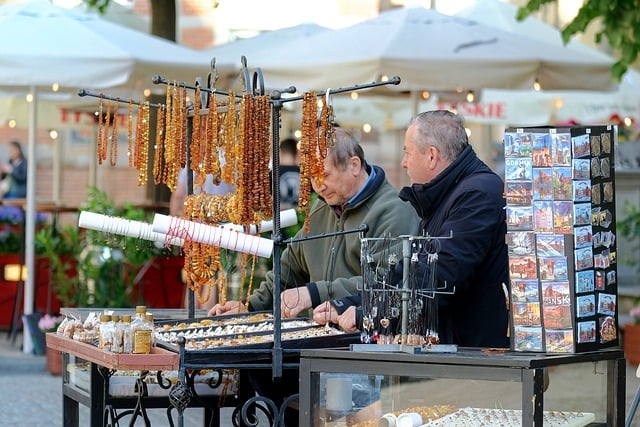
141,332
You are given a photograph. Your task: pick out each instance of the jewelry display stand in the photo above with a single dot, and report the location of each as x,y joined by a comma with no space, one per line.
254,85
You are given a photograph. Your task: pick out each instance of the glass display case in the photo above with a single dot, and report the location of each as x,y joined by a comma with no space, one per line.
470,387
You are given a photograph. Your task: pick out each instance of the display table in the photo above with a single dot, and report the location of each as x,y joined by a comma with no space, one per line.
381,382
89,378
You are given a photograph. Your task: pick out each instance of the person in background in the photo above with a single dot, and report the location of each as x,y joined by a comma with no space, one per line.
289,173
176,208
14,173
453,191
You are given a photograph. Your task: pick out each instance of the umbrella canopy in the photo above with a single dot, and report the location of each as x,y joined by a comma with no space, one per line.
429,50
46,44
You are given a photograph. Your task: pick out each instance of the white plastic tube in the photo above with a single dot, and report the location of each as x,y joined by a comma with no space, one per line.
124,227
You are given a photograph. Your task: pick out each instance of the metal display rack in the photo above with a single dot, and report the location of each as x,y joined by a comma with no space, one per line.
181,393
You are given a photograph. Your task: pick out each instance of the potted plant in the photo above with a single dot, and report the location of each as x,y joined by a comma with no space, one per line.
92,269
49,323
629,228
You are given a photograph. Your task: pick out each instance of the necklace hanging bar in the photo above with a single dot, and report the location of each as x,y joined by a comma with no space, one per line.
85,92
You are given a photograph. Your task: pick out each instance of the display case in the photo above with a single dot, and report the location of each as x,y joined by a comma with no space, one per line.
470,387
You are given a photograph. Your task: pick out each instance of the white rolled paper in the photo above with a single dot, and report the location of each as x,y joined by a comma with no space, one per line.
124,227
287,219
211,235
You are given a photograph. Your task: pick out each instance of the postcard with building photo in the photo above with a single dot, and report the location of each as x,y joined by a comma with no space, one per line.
542,149
607,304
517,144
587,331
559,341
523,267
581,146
581,169
581,190
583,236
583,258
526,314
585,281
527,338
581,213
562,217
562,183
553,269
519,192
519,218
586,305
525,290
542,184
561,149
543,216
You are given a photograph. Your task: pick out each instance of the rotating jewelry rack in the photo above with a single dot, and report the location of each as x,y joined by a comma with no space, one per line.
386,305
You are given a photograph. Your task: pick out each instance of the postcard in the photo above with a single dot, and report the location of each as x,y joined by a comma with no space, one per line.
517,144
581,169
525,290
543,183
561,149
581,146
587,331
581,190
605,140
584,281
555,293
550,245
582,213
519,218
583,236
527,338
607,304
521,242
523,267
518,169
559,341
586,305
542,149
563,217
595,145
543,216
519,192
526,314
583,258
562,183
553,269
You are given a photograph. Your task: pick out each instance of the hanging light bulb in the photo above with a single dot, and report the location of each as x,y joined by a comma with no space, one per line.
146,92
29,97
55,87
354,96
536,85
366,128
12,123
628,121
426,95
53,134
470,96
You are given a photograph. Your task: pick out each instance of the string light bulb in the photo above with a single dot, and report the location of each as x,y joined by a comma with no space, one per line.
426,95
12,123
354,96
366,128
29,97
55,87
470,97
536,85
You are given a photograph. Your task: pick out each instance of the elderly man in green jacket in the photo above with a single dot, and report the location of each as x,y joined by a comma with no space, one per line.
352,193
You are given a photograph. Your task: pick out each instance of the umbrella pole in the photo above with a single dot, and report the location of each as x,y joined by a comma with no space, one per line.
30,213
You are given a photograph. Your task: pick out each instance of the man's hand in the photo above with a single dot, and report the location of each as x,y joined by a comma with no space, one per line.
230,307
347,320
325,313
293,301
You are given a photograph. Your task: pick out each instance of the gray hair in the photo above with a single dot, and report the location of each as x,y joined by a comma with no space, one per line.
441,129
345,147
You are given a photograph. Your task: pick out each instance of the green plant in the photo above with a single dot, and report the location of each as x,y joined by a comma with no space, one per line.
94,269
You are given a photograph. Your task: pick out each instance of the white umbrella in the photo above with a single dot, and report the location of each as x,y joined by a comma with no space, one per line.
581,106
45,45
429,50
228,55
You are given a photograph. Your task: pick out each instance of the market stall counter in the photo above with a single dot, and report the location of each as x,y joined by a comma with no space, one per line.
469,387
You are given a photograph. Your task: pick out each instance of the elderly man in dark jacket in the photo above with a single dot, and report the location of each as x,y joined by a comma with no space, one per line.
454,192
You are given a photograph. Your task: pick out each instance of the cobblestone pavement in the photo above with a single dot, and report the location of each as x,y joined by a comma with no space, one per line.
31,397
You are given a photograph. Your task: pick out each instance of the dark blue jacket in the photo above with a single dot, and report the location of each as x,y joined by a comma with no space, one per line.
467,199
